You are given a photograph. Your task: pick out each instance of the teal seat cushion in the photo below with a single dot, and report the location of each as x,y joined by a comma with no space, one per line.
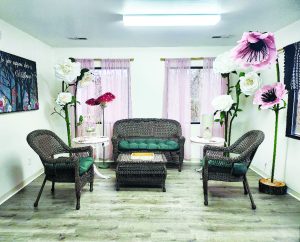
148,144
238,169
84,164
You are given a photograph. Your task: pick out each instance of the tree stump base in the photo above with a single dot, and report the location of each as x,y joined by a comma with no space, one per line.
273,188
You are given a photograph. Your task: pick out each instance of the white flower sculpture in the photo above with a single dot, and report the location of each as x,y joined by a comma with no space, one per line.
250,83
86,79
224,63
67,71
222,103
63,98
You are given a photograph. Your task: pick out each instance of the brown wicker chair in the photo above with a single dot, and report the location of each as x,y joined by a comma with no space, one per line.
219,165
63,169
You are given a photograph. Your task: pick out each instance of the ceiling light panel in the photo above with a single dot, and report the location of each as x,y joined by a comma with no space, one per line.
171,19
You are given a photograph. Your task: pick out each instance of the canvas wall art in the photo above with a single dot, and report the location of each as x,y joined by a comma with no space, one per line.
18,84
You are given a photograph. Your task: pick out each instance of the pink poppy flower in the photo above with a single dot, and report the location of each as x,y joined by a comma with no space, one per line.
91,102
270,95
106,97
256,50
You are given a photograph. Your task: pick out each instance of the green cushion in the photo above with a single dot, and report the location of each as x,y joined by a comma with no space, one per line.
85,163
238,169
148,144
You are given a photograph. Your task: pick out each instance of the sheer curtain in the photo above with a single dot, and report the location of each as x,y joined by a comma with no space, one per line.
212,85
177,97
91,114
115,78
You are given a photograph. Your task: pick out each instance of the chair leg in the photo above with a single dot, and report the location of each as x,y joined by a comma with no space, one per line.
52,189
40,193
179,167
163,187
205,184
77,200
250,195
91,186
245,188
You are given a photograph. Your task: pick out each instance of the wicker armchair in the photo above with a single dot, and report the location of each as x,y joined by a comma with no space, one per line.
63,169
146,128
230,164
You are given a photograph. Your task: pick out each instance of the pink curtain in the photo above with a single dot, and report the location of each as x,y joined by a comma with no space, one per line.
212,85
115,75
90,114
177,97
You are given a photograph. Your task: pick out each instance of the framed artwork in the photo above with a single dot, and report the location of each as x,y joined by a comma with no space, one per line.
18,84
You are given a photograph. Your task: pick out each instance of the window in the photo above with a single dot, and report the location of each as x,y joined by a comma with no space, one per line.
195,97
293,115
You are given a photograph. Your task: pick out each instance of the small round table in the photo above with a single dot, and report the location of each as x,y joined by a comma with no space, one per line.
94,142
217,141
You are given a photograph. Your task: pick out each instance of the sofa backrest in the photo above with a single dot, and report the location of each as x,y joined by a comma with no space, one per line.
144,127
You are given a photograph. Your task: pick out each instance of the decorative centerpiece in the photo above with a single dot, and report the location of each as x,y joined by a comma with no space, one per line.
102,102
258,51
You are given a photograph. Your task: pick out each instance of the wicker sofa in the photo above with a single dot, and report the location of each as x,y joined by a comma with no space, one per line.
155,135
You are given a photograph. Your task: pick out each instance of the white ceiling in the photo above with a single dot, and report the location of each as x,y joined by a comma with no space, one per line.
53,21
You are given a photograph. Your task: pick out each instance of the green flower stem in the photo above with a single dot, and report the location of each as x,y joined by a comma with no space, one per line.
226,127
67,119
238,93
228,84
276,110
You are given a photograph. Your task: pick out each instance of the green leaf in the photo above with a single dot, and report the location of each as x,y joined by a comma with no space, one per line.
217,120
239,110
242,74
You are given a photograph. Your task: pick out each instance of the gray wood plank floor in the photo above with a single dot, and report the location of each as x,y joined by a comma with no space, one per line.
147,214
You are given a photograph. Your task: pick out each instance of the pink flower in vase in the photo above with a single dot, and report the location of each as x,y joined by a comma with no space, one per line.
105,98
256,50
270,95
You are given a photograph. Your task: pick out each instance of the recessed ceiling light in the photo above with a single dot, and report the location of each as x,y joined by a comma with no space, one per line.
171,19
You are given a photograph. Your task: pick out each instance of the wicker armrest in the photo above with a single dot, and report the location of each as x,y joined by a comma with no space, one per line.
207,148
214,156
61,160
88,149
181,139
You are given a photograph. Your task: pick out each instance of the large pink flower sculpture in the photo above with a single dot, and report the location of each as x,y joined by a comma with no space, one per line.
269,95
256,50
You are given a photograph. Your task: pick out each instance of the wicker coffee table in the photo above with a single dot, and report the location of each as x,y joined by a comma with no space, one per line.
140,172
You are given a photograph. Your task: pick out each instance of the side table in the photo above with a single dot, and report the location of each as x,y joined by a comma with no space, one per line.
217,141
95,142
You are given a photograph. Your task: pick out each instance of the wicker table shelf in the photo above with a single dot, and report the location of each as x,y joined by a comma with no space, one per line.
140,172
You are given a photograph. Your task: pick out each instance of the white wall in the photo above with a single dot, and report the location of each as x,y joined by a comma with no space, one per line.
147,74
18,162
288,152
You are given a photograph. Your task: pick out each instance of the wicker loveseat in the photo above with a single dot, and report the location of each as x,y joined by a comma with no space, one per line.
155,135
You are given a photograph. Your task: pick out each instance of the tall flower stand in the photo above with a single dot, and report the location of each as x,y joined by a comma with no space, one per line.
103,165
270,185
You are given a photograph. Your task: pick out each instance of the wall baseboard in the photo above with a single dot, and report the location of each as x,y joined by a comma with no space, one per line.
20,186
289,191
